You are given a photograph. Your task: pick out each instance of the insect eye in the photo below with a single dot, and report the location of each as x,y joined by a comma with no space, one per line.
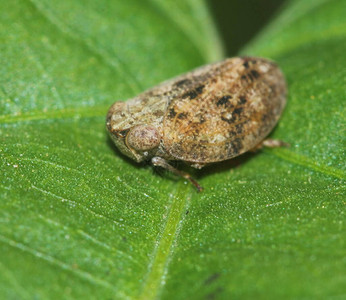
143,138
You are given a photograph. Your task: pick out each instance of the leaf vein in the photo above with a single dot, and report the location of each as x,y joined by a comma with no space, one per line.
117,65
306,162
66,113
54,261
74,203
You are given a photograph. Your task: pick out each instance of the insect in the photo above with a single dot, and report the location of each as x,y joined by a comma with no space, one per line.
213,113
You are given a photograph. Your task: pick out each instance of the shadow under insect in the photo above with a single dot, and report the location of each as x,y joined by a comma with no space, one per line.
183,169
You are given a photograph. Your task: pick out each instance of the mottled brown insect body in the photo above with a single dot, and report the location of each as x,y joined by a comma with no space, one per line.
211,114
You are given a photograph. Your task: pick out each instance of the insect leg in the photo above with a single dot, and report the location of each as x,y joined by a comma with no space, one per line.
270,143
158,161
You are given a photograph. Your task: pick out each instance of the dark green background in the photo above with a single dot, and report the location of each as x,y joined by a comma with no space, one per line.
239,21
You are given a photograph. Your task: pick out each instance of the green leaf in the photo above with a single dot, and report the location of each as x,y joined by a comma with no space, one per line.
80,220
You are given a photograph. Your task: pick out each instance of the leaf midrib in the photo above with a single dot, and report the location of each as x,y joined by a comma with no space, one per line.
162,253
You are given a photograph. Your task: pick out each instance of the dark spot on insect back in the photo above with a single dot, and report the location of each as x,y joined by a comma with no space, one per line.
223,100
243,77
199,89
246,64
235,146
172,113
255,74
239,128
194,93
233,117
237,111
182,82
191,95
181,116
232,133
242,100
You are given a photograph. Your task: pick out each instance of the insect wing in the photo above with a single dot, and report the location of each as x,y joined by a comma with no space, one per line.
223,110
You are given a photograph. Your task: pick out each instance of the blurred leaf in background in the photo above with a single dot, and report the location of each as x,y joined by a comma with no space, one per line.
239,21
77,219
